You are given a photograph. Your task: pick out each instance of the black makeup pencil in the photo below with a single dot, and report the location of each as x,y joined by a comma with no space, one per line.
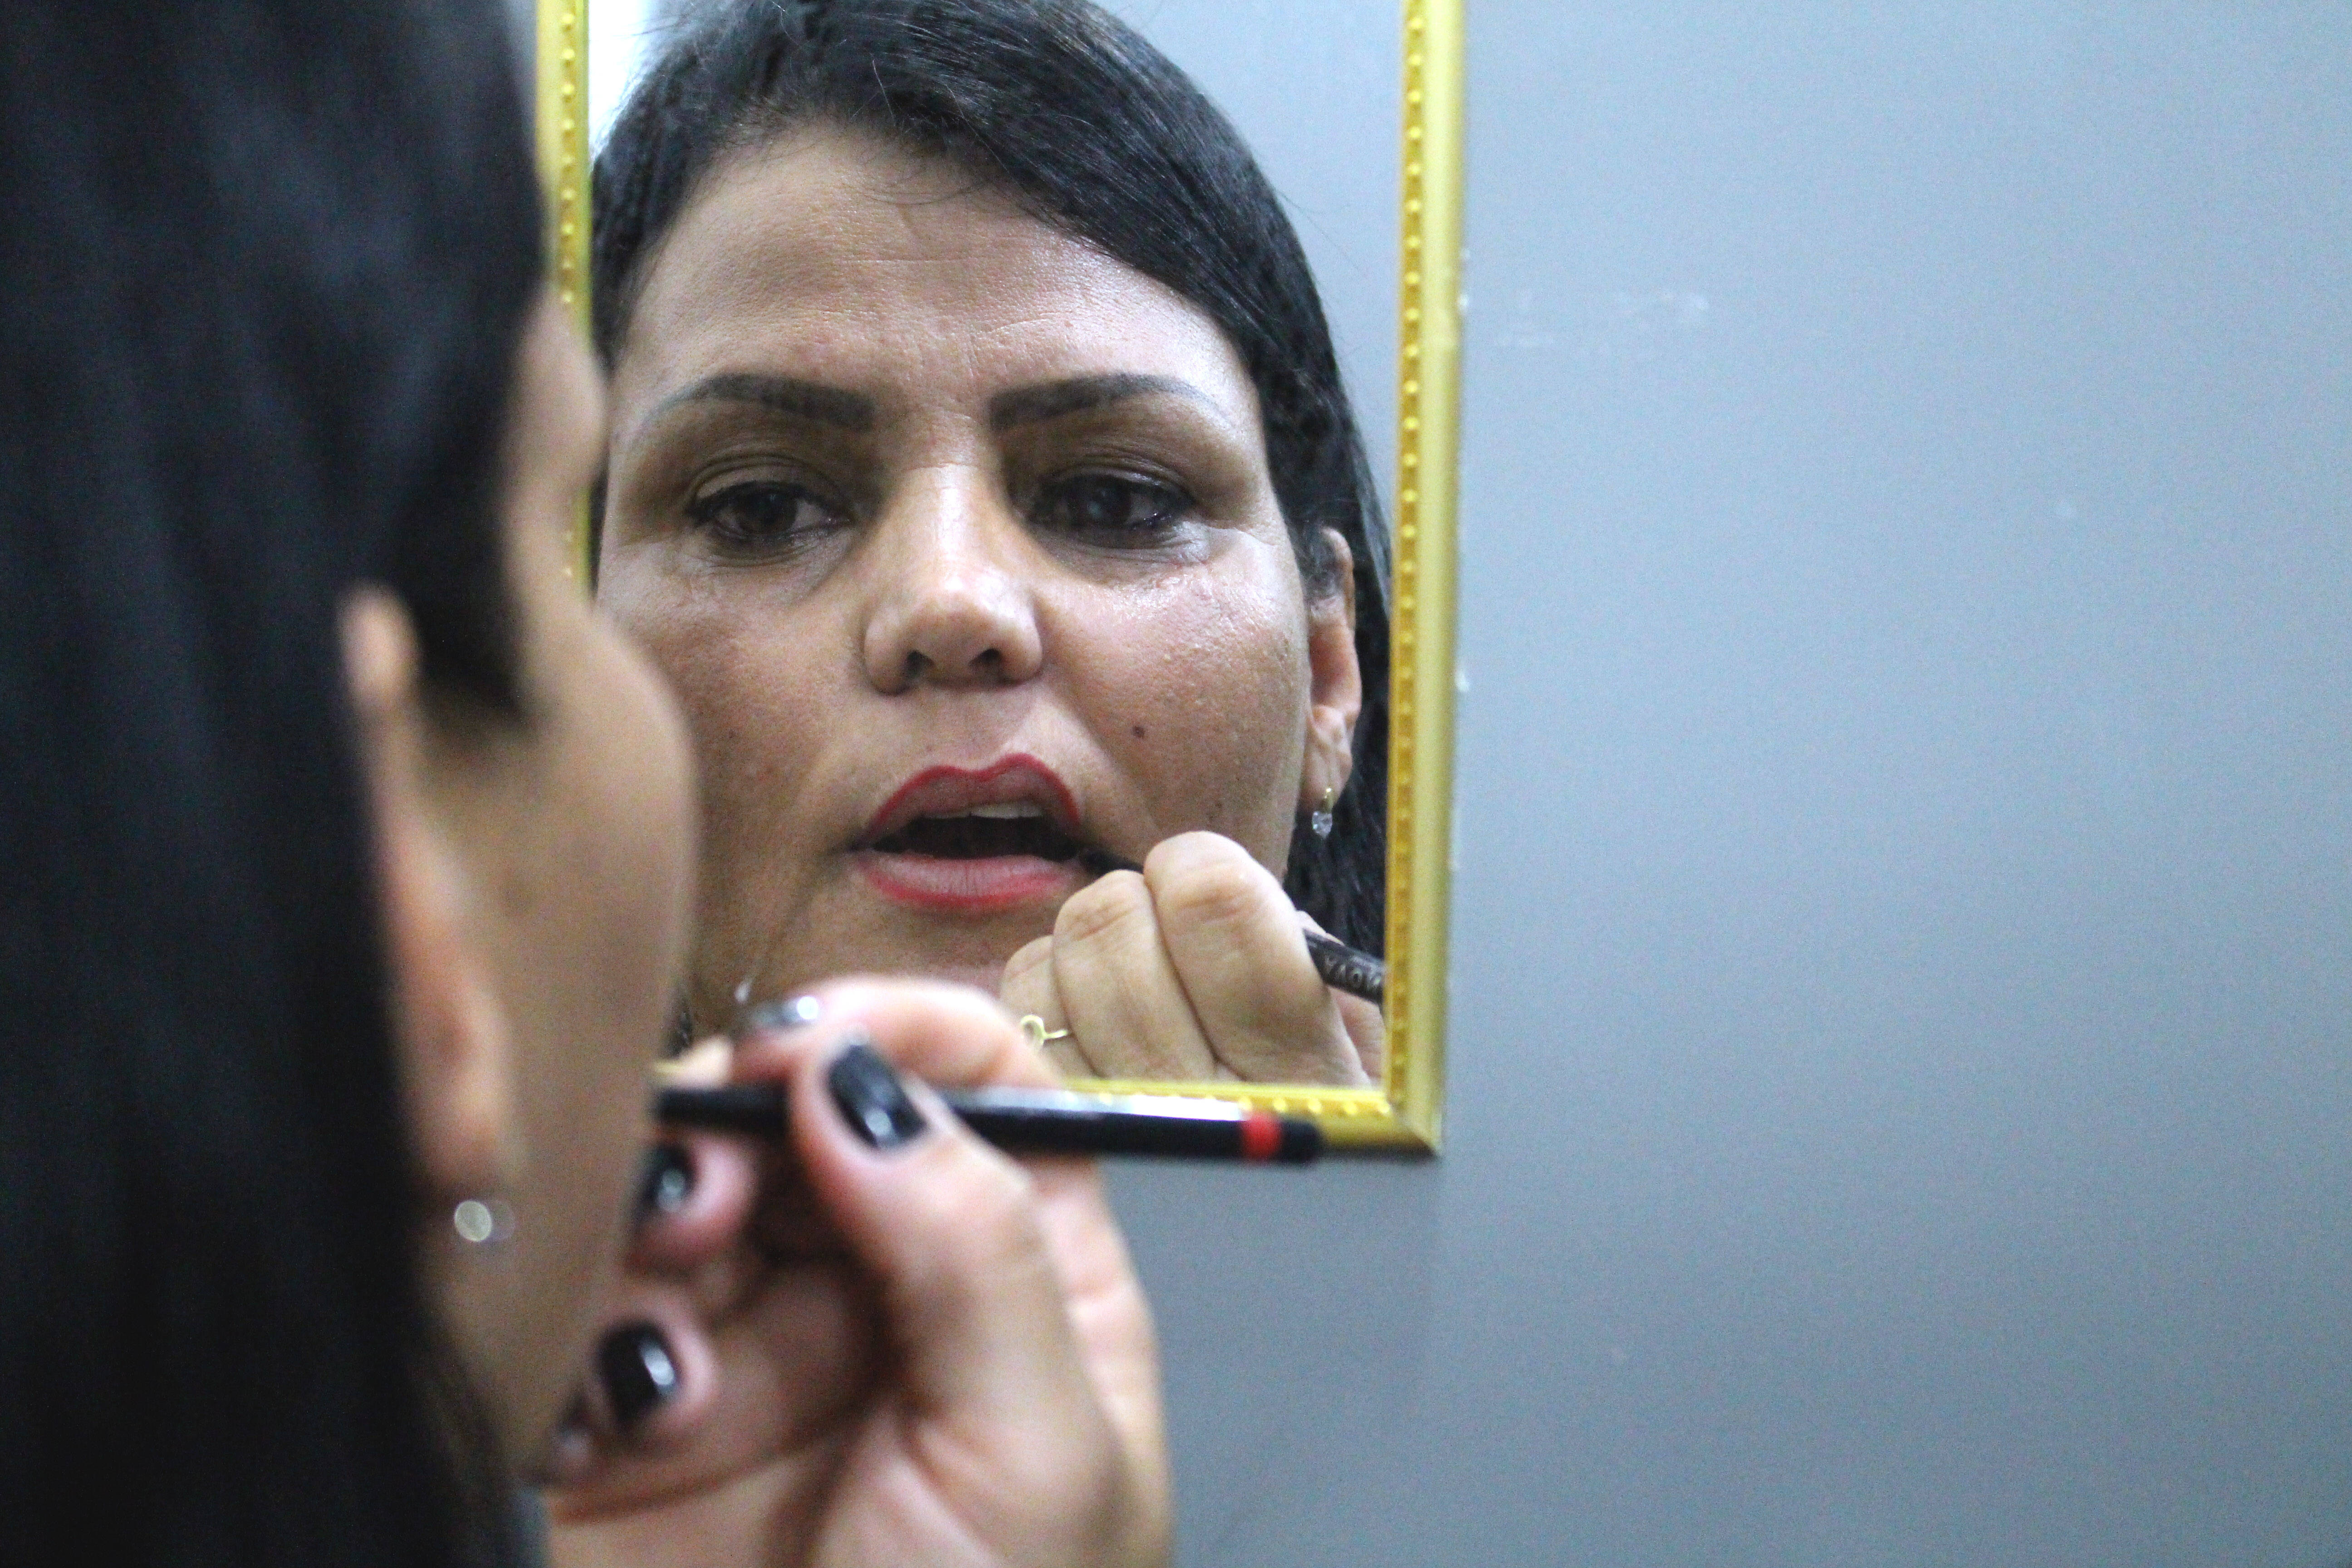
1041,1121
1344,968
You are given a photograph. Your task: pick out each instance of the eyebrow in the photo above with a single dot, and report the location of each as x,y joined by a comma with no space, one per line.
808,399
1029,405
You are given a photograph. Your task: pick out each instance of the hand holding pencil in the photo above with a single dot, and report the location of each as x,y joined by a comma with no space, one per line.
1007,1307
1195,966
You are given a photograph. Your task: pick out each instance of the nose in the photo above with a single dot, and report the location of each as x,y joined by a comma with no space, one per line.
953,606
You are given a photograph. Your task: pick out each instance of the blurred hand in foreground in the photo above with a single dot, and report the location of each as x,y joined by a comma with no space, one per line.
834,1351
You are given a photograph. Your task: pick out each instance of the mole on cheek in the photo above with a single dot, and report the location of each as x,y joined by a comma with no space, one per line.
1137,731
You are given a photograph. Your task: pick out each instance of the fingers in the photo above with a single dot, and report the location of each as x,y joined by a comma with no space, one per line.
1232,936
752,1380
1194,970
949,1229
1367,1031
952,1036
1367,1024
694,1194
651,1375
1120,989
977,1321
938,1032
739,1329
1028,989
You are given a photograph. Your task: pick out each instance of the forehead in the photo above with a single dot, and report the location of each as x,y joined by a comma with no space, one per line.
837,256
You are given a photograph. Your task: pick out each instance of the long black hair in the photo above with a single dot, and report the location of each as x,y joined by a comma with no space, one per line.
264,271
1097,134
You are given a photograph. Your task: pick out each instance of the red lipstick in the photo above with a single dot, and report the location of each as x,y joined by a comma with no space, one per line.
975,842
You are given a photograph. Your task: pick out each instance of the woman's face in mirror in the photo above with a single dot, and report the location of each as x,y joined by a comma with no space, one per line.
958,541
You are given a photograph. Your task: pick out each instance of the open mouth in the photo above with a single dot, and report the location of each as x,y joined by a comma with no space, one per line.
964,842
983,833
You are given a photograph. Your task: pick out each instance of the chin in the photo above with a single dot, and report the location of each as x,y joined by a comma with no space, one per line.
922,945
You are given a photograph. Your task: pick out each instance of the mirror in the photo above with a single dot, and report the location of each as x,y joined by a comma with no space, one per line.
910,480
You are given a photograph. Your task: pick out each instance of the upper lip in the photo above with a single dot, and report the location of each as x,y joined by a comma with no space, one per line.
950,791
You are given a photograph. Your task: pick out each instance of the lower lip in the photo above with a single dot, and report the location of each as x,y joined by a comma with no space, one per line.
982,886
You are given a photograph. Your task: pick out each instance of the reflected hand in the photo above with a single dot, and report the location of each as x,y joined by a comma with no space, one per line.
1192,968
927,1355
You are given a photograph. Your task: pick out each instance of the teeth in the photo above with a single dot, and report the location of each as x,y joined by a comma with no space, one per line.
1009,811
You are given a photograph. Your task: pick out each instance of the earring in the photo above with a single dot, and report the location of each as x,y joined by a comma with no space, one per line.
480,1222
1319,823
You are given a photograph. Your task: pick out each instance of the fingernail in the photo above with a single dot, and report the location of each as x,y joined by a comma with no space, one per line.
638,1371
667,1182
764,1018
871,1099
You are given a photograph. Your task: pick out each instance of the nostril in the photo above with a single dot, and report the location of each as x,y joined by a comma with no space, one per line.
988,666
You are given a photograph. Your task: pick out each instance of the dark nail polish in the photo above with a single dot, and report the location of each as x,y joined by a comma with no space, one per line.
638,1372
667,1182
795,1013
871,1099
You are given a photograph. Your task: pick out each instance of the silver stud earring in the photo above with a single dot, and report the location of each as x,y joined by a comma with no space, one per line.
1319,823
482,1222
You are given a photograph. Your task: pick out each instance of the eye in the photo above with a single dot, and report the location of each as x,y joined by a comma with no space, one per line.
756,516
1111,506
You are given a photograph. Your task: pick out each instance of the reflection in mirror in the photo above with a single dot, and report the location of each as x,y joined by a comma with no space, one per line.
985,479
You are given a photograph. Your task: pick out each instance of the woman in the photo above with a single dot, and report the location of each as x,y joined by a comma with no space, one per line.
346,869
981,478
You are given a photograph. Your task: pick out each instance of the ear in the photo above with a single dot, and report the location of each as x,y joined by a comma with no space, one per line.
1336,683
448,1022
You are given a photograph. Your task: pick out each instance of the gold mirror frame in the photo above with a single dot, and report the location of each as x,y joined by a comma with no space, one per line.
1404,1115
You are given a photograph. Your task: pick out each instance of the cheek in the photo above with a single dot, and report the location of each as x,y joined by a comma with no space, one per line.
608,918
1201,696
649,764
632,823
758,689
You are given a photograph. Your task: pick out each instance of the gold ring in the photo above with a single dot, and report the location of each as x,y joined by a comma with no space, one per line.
1034,1030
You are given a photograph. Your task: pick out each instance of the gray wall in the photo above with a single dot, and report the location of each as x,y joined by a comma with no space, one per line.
1901,1111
